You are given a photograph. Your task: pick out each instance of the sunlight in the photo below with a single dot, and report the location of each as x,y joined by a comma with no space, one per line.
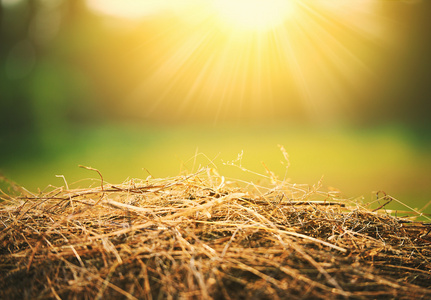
135,9
126,9
217,58
7,3
257,15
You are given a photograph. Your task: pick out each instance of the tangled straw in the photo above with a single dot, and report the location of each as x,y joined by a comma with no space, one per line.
198,236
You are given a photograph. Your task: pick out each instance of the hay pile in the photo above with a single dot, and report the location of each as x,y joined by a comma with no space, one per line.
201,237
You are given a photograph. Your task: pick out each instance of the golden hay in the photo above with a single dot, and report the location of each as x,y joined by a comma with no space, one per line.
199,237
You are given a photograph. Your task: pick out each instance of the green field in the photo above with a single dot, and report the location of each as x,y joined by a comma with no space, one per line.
356,161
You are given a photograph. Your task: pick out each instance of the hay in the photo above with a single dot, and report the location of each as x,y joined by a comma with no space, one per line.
199,236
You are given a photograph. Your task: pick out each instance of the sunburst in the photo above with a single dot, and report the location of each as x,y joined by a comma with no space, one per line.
256,15
219,58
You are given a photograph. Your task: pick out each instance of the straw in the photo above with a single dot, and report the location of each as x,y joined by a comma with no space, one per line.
200,236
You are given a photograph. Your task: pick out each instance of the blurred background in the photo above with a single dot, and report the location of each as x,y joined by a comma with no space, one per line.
138,88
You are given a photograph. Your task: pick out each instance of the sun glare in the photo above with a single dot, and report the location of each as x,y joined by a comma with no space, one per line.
258,15
216,58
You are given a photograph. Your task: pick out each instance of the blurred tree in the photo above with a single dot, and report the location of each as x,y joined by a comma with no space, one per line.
404,91
17,58
43,93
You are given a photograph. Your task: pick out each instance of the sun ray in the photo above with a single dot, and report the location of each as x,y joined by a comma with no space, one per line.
212,60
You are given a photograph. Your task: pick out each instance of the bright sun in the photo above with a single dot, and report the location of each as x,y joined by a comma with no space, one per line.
213,58
258,15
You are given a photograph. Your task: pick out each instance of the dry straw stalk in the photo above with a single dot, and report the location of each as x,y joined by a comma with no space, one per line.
199,237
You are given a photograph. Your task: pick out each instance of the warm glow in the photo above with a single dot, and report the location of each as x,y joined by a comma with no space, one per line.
216,58
135,9
253,14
